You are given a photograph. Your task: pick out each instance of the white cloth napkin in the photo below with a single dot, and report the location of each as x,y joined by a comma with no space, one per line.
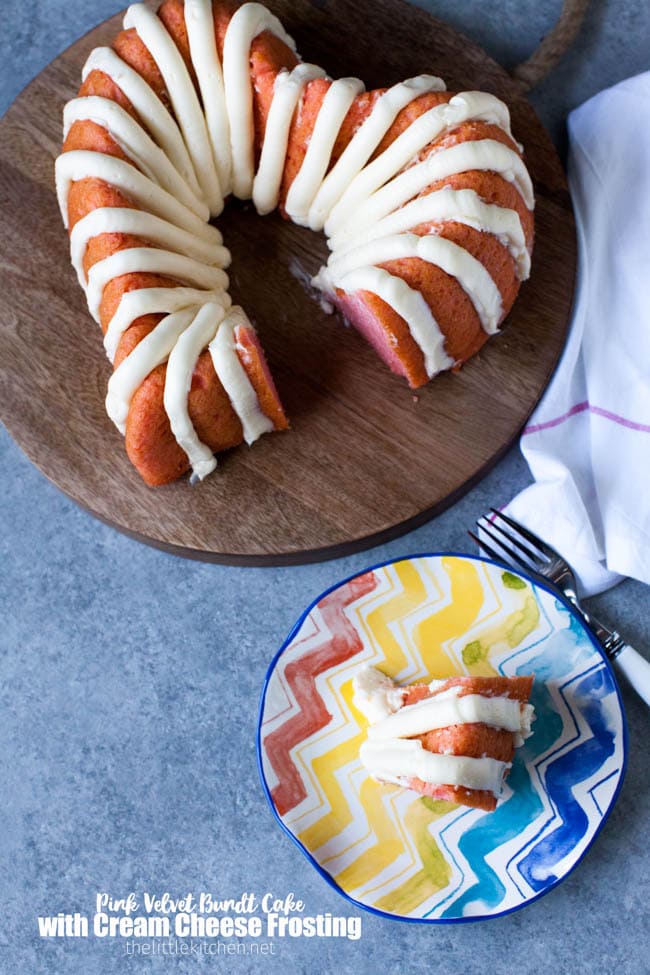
588,442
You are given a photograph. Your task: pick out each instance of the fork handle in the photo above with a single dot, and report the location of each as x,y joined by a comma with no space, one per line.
625,658
636,668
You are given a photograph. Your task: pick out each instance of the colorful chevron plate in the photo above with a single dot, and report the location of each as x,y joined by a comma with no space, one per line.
410,857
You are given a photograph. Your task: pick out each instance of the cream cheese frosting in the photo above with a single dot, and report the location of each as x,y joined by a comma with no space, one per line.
364,142
403,759
178,379
185,102
288,89
228,367
393,752
441,712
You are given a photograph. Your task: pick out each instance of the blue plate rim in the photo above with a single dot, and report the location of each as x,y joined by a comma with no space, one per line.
535,582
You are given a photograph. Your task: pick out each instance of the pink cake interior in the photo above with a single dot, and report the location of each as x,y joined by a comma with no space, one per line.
359,315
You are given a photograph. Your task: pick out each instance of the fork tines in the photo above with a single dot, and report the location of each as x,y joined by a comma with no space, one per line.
513,542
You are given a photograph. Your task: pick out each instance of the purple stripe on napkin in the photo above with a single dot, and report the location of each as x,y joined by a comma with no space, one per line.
581,408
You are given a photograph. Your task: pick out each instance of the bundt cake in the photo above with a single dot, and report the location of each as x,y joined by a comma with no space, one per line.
453,739
422,194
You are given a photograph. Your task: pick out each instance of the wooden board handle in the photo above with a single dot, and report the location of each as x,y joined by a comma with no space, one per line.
553,46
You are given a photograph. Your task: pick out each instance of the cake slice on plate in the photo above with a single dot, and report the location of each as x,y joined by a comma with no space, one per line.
451,739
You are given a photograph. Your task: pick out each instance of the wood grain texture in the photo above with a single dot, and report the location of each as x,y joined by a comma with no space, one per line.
365,459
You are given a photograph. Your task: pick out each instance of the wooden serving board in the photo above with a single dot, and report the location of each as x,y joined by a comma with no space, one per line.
365,459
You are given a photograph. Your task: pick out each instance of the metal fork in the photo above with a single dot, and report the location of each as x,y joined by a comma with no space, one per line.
512,543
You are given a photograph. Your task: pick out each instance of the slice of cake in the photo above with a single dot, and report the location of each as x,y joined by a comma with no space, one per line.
452,739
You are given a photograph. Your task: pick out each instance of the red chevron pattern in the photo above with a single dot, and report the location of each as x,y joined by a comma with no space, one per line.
341,641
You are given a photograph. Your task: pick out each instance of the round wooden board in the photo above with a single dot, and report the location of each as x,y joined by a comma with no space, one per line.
365,459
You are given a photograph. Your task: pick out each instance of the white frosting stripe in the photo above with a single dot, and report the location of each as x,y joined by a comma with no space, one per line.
205,59
234,379
335,106
463,107
85,164
123,220
288,89
483,154
155,261
444,711
178,380
461,206
183,98
364,142
152,351
246,23
400,759
454,260
407,302
151,301
134,142
152,114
